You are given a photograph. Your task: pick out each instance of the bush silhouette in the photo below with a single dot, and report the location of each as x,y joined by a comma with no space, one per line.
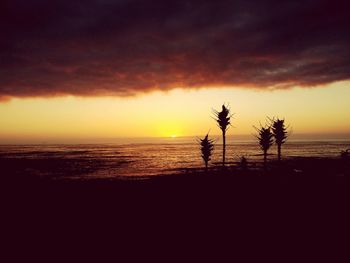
345,154
243,163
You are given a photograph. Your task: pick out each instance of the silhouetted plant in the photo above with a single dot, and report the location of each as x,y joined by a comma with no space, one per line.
243,163
207,147
223,120
345,154
280,134
265,139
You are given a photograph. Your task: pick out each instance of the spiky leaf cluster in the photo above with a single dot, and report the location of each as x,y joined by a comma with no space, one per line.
207,147
279,131
223,118
265,138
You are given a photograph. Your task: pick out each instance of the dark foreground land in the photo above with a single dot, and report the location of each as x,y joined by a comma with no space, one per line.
292,179
295,204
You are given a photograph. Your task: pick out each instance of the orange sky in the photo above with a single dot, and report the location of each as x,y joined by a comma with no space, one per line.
175,113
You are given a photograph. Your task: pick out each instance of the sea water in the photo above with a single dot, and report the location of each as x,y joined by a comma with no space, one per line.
154,156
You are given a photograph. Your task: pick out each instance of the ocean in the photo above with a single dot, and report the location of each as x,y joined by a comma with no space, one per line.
151,157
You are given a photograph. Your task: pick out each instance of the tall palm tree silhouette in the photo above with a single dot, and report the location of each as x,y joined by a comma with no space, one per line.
207,147
265,139
280,134
223,120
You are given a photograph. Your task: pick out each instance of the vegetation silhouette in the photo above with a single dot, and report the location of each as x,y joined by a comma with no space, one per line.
265,139
207,147
243,163
223,121
345,154
280,134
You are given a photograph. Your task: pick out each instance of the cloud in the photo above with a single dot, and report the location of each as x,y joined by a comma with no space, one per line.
125,47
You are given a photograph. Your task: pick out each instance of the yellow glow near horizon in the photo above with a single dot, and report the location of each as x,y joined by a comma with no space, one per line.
175,113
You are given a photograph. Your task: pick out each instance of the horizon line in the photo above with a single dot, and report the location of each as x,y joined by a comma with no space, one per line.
95,140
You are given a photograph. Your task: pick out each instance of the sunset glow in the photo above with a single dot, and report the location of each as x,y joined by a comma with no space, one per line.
205,101
116,69
173,114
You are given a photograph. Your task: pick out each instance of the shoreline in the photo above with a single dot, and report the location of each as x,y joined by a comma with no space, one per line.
290,166
215,199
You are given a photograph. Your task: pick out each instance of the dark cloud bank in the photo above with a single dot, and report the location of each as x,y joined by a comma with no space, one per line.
124,47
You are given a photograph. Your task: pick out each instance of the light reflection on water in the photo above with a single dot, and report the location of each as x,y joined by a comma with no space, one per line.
145,159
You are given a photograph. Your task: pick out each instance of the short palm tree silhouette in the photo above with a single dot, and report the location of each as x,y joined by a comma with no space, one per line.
207,147
265,139
223,120
280,134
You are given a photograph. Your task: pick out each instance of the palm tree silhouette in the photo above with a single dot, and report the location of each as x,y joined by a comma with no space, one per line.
207,147
223,120
265,139
280,134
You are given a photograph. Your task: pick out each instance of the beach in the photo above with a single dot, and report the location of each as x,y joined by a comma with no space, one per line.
308,175
301,202
83,172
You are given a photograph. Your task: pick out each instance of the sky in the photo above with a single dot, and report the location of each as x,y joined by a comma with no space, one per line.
74,70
